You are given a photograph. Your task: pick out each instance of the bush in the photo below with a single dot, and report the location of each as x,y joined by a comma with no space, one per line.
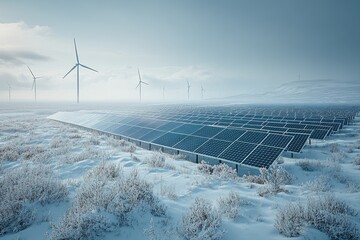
326,214
289,220
156,160
14,216
24,185
357,161
229,206
320,184
308,165
221,171
254,179
202,221
105,170
274,177
334,148
106,199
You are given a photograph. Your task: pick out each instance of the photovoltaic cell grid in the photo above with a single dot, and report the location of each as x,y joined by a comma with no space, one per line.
235,143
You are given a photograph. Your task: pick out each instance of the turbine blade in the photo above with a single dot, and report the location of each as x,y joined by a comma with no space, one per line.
88,67
144,83
77,56
31,72
138,85
70,71
139,75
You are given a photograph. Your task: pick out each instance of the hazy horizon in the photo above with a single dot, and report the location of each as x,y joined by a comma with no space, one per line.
230,47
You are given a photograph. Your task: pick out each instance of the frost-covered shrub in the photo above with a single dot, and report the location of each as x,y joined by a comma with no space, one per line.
79,225
9,154
254,179
106,170
326,214
334,148
274,177
122,145
357,161
156,160
14,216
221,171
107,200
202,221
24,185
289,220
229,206
320,184
224,172
32,183
205,168
309,165
94,141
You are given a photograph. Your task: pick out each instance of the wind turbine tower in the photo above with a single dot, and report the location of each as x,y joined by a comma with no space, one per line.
140,82
163,92
188,84
77,66
34,81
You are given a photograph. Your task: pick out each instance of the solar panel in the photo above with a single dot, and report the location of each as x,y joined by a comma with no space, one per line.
238,151
190,143
173,126
187,128
263,156
276,140
229,134
169,139
151,135
169,126
213,147
298,142
207,131
253,137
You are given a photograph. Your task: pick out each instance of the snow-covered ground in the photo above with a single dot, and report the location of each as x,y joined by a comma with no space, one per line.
85,168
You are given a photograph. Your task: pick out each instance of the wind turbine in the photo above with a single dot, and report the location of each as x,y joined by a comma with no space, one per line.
163,92
188,89
9,91
34,82
140,82
77,66
202,92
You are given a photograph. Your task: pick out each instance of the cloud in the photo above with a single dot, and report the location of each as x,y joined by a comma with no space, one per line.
20,56
19,43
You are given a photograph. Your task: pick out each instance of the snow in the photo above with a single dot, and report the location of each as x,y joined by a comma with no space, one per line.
72,152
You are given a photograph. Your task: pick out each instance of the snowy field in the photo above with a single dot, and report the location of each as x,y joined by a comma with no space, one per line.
61,182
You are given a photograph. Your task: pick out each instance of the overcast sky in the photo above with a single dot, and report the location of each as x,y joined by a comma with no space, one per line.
231,47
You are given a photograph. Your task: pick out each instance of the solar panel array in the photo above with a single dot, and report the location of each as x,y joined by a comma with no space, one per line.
230,134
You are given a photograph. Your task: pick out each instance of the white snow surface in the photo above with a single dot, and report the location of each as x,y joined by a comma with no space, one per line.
71,152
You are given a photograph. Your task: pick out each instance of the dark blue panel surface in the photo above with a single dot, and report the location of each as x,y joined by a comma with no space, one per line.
238,151
263,156
190,143
213,147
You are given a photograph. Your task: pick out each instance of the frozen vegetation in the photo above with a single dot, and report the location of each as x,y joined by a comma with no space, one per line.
61,182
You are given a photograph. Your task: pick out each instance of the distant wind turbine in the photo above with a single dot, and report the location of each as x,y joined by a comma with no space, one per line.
34,81
9,91
188,89
139,84
202,92
77,66
163,92
299,76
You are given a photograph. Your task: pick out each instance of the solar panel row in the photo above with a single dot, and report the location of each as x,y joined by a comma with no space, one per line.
212,141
